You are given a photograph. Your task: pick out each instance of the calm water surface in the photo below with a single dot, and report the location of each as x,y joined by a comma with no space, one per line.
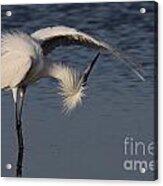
89,142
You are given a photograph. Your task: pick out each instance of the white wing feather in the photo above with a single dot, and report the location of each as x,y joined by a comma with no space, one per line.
61,35
52,37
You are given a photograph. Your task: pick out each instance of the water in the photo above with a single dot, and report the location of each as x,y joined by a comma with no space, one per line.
89,142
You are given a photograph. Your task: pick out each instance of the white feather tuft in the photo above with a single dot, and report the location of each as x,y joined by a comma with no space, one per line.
19,42
70,86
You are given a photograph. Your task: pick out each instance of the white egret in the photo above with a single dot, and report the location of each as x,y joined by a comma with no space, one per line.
25,60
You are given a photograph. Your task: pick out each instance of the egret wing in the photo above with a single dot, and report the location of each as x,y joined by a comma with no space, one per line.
52,37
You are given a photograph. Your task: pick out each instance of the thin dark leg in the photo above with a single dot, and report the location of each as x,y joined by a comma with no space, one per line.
18,113
23,90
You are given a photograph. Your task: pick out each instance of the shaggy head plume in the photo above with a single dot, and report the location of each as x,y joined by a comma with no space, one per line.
71,87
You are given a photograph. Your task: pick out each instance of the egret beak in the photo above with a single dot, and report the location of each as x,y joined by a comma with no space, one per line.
88,70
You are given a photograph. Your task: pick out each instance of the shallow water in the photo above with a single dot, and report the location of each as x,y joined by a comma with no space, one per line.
89,142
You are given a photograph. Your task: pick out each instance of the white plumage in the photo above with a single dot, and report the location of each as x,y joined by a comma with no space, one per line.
69,34
20,52
24,60
70,86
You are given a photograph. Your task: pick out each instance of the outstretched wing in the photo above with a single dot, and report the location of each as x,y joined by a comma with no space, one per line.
52,37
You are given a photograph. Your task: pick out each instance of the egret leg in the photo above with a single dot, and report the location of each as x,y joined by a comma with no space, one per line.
22,95
18,113
19,128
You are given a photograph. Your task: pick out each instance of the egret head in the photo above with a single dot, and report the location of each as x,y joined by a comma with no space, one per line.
72,85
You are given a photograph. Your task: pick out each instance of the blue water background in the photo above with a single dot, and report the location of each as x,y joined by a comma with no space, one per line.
89,142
